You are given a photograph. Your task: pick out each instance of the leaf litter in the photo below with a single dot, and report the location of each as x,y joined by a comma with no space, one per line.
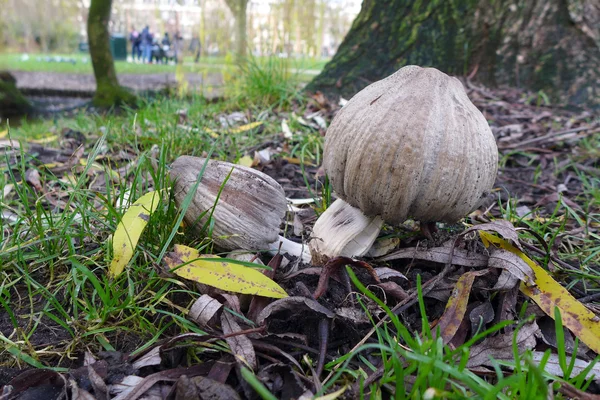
470,284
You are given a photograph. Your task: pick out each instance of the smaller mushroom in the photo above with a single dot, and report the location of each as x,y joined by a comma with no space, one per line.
246,205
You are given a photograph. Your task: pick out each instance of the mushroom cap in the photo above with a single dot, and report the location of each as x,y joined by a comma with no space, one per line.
250,208
411,145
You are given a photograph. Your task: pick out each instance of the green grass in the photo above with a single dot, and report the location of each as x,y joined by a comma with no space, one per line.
13,62
59,255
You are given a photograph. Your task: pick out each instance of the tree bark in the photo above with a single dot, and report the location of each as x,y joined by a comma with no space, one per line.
108,92
12,101
239,10
542,45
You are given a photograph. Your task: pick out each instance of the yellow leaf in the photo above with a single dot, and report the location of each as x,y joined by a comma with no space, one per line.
52,165
297,161
189,264
45,140
3,133
548,294
130,229
246,161
334,395
244,128
211,132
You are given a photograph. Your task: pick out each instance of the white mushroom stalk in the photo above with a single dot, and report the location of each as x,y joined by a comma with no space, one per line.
247,206
343,230
411,145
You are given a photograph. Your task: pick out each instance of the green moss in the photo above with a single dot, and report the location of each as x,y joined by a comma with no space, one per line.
12,101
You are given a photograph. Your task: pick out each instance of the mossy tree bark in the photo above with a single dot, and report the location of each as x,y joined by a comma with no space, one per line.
12,101
108,91
239,10
543,45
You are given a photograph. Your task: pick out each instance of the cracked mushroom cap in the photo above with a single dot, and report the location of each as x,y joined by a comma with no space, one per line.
411,146
251,205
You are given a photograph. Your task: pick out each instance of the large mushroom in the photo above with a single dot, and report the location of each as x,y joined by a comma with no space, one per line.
409,146
246,205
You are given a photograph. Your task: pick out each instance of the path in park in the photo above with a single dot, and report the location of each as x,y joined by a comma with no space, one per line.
84,85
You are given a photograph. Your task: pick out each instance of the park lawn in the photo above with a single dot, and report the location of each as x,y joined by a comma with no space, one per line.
82,65
58,226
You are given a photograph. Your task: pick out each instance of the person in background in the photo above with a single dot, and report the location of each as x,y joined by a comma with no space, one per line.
166,41
195,47
136,41
146,43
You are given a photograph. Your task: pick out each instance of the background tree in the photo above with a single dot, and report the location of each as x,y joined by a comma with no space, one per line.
543,45
239,8
108,92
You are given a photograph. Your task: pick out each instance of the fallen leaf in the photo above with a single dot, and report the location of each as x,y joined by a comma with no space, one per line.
209,270
285,128
151,358
297,161
457,305
3,133
548,294
44,140
32,177
511,262
246,127
246,161
293,306
5,143
385,273
480,316
502,227
240,345
130,229
506,281
383,246
439,255
200,387
6,190
285,381
500,347
203,311
211,132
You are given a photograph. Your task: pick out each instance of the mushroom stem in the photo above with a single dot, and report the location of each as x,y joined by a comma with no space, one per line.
298,250
343,231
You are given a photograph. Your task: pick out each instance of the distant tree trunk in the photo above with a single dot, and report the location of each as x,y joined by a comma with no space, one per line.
108,91
239,9
543,45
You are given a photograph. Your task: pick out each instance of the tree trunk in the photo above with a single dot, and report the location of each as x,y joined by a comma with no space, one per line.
12,102
108,91
542,45
239,9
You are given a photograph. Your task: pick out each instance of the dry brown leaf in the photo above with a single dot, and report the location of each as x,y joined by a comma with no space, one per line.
204,311
480,316
457,305
500,258
506,281
502,227
500,347
293,306
203,388
385,273
241,347
151,358
32,177
439,255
